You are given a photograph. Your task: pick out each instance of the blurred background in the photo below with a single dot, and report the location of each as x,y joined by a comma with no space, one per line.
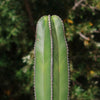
18,20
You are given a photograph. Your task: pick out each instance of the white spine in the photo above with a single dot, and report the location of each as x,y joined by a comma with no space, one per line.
51,57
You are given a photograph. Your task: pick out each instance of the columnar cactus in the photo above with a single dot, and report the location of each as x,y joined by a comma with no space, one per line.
51,75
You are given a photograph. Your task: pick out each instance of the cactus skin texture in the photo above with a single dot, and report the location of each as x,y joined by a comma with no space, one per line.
51,75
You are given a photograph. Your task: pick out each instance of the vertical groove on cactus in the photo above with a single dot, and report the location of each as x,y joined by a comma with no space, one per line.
51,71
49,19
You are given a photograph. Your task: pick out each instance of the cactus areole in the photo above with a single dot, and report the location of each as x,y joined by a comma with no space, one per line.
51,72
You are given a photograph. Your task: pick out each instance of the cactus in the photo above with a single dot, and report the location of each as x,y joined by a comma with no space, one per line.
51,75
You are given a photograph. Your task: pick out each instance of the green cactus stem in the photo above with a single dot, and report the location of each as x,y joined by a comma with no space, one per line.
51,72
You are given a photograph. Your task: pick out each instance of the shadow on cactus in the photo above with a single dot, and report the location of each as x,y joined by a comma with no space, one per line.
51,72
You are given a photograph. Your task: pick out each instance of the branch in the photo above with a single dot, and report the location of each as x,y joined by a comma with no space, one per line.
87,38
96,31
84,37
77,4
29,14
91,7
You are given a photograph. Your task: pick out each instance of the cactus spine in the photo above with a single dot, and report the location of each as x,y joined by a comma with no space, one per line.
51,75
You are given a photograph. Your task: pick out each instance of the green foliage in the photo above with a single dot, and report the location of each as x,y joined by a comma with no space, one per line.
14,44
82,28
